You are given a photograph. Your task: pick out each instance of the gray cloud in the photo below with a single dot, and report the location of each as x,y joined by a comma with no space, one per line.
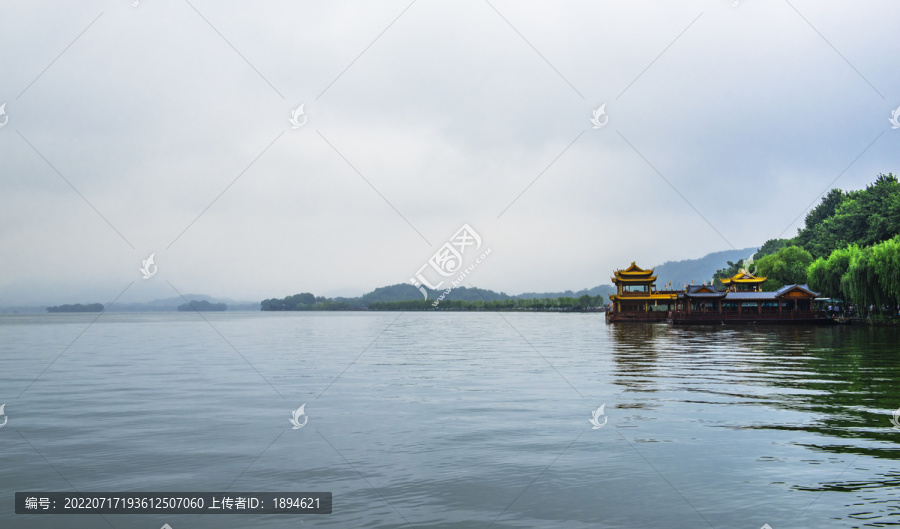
450,114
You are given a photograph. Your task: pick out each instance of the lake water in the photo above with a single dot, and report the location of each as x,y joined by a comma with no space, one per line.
455,420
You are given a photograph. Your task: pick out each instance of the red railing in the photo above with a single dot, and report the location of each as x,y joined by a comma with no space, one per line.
695,315
750,315
631,315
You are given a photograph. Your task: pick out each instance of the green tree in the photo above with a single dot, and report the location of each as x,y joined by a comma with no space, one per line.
863,217
818,215
825,275
873,274
859,282
787,266
769,247
886,267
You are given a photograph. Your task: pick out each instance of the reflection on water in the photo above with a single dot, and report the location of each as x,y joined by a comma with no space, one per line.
444,420
839,386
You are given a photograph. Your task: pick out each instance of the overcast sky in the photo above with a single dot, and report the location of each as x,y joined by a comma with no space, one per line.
163,127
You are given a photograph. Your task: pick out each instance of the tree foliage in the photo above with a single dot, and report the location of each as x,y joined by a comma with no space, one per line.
288,303
824,275
864,276
862,217
771,246
787,266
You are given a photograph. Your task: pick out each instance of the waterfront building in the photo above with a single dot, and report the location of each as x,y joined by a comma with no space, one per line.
742,301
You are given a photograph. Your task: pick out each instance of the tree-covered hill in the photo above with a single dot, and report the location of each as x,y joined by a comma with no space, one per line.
862,217
848,248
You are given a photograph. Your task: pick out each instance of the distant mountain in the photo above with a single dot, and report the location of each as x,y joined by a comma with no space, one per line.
600,290
405,291
697,270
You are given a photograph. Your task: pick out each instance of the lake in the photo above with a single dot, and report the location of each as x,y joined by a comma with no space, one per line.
455,420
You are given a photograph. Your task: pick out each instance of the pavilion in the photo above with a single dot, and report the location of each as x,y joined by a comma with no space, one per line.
743,281
637,297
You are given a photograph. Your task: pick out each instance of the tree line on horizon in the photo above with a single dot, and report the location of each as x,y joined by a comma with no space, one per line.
849,248
585,302
77,307
413,300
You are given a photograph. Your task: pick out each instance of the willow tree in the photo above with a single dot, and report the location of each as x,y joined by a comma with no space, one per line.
824,275
886,268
